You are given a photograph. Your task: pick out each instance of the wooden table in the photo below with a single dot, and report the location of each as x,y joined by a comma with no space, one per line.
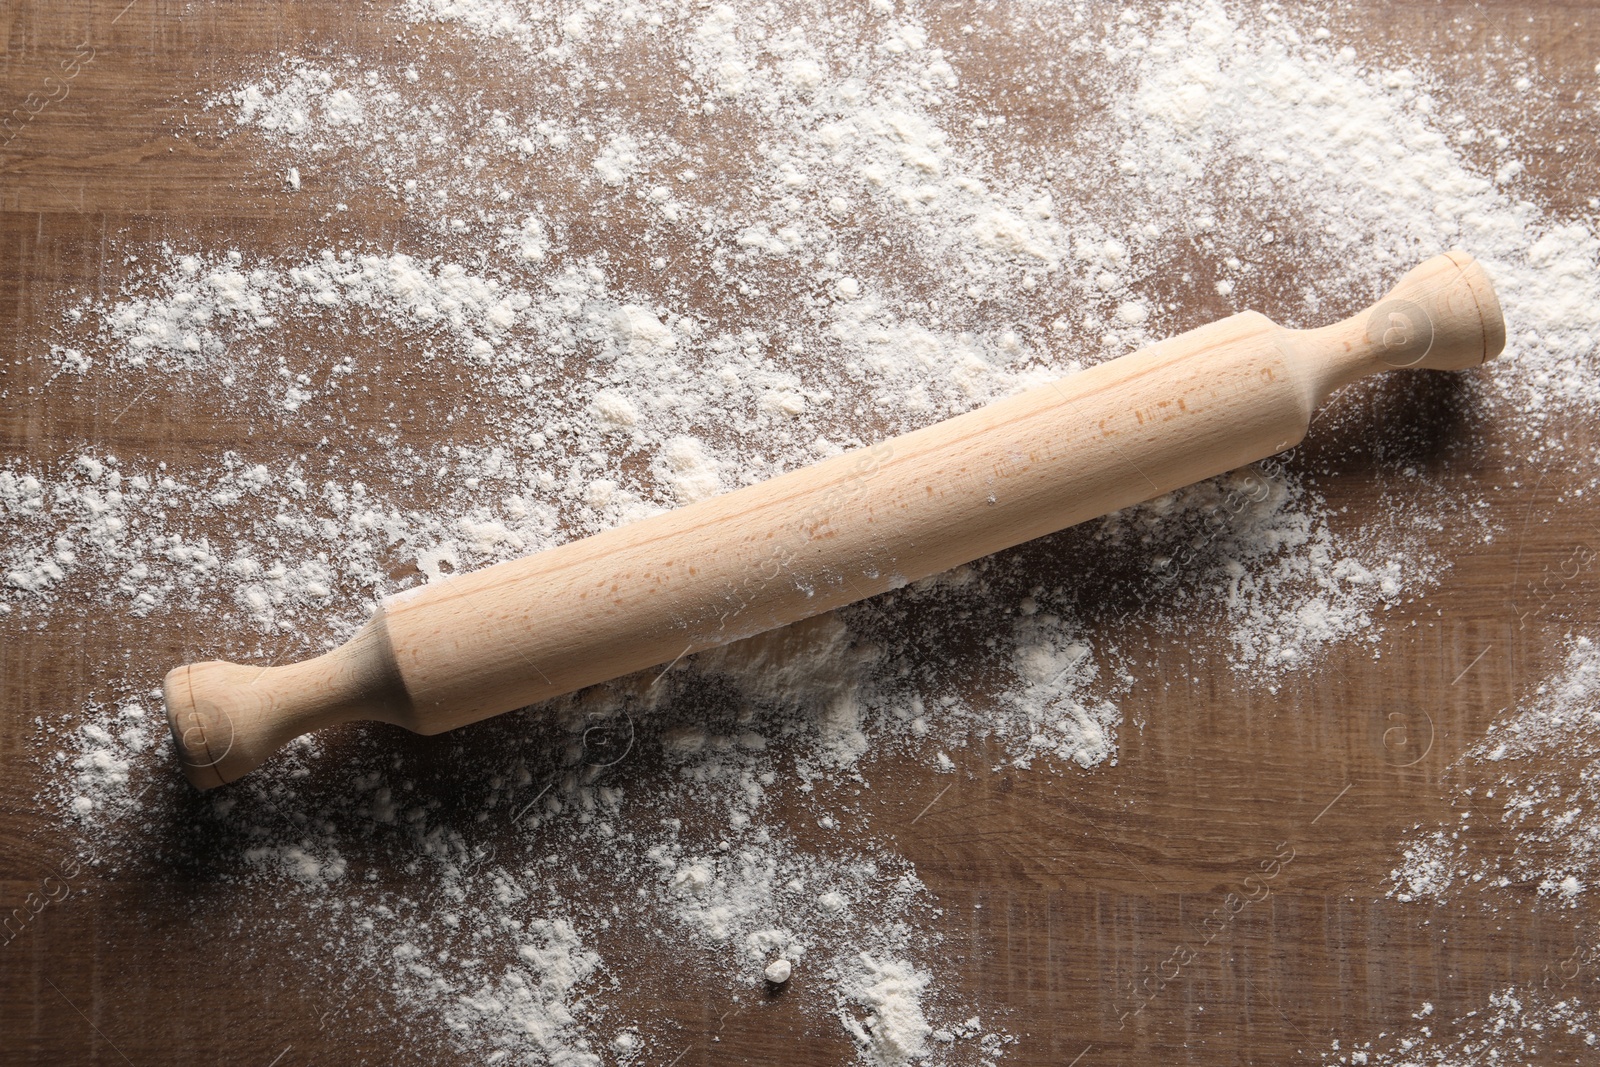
1063,894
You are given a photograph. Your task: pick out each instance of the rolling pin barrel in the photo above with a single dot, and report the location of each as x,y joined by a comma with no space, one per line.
478,644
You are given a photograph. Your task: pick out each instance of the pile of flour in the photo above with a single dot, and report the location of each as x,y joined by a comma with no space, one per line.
875,229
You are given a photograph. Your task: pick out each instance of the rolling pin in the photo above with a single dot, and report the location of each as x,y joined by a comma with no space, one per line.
478,644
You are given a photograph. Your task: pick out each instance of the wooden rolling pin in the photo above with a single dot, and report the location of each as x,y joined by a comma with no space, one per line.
479,644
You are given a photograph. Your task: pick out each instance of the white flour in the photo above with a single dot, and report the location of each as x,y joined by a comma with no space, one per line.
893,1030
623,330
1520,776
1515,1027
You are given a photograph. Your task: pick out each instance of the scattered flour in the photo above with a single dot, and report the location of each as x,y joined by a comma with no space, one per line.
1517,1026
622,332
1520,775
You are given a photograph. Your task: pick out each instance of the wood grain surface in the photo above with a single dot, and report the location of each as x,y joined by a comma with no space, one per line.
1059,892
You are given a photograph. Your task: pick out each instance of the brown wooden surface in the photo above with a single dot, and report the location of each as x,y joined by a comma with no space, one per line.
1059,891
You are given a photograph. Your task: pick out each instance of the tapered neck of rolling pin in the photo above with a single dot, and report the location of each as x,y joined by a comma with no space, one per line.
227,718
1442,315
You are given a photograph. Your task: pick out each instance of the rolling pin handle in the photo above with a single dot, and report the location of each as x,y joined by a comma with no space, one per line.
226,719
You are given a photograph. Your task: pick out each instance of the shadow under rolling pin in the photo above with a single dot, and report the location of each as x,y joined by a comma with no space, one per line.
479,644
